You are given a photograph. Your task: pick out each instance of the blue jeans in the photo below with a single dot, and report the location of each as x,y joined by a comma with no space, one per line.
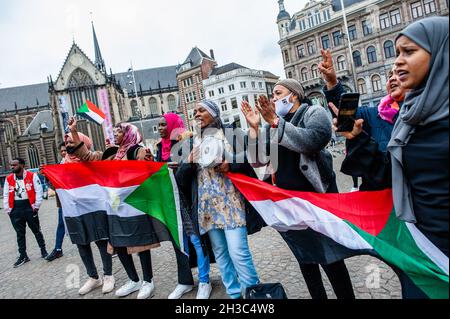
230,247
60,231
202,260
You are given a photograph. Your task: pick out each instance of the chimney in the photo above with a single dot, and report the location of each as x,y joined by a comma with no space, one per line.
211,53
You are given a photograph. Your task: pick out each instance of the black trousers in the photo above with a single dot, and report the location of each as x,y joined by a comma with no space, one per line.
88,259
127,262
338,275
21,215
183,267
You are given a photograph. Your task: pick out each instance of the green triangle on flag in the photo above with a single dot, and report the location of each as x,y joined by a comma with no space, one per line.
157,197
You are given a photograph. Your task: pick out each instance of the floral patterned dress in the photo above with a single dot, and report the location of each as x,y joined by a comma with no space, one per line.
220,205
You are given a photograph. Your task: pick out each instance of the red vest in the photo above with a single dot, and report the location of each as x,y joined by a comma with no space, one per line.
29,187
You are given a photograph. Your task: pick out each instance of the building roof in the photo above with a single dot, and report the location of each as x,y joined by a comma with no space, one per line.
268,74
195,56
336,4
28,95
150,78
42,120
194,59
227,68
283,15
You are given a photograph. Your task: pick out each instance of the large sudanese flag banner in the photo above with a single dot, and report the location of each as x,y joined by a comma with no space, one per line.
362,221
131,203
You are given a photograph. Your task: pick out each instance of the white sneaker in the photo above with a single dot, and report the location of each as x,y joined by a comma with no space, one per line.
108,284
354,189
204,290
147,290
90,285
128,288
179,291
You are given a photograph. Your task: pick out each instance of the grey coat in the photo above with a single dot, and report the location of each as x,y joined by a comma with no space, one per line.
307,133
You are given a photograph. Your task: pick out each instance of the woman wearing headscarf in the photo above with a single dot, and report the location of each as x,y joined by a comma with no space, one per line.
378,123
83,242
172,131
301,132
418,148
128,139
217,208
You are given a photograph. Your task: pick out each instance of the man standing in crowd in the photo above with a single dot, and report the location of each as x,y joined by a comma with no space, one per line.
22,197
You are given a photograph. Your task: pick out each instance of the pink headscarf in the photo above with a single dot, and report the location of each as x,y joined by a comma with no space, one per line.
131,136
71,158
175,127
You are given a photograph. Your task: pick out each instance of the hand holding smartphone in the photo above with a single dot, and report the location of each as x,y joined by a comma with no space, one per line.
348,105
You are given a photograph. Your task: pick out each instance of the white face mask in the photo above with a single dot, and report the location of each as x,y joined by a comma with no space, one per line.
283,106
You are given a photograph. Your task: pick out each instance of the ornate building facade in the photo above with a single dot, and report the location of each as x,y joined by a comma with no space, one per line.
372,28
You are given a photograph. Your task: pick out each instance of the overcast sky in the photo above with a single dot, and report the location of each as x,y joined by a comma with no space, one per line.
35,36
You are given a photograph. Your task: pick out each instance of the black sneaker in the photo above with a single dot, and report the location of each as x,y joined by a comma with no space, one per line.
44,253
54,254
21,261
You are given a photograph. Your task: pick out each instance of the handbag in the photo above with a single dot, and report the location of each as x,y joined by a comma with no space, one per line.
265,291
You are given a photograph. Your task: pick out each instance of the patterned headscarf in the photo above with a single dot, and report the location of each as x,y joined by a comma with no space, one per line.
131,136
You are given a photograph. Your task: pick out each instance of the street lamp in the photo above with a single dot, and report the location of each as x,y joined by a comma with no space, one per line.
133,82
350,52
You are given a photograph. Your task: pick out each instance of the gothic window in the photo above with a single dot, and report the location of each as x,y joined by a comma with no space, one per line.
134,108
33,155
9,131
172,102
80,78
153,105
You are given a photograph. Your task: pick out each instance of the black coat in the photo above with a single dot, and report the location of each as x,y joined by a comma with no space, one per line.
186,177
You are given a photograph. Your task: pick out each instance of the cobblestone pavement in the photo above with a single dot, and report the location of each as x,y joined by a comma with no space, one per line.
273,259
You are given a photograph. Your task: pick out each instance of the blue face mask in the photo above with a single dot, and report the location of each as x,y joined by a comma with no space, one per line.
283,106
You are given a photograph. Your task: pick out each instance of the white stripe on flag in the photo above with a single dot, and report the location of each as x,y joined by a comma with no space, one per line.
176,196
295,214
428,248
95,117
97,198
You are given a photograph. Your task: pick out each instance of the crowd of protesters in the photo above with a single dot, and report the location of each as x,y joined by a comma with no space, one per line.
402,144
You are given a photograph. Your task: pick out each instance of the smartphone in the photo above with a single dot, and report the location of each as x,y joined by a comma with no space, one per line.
348,105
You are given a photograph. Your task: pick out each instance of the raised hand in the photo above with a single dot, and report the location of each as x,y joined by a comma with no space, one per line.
72,124
252,116
327,70
267,109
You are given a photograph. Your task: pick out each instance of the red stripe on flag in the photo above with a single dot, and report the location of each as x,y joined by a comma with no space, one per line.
94,108
369,211
103,173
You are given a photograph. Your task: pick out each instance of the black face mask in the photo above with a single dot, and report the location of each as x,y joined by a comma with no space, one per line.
70,149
